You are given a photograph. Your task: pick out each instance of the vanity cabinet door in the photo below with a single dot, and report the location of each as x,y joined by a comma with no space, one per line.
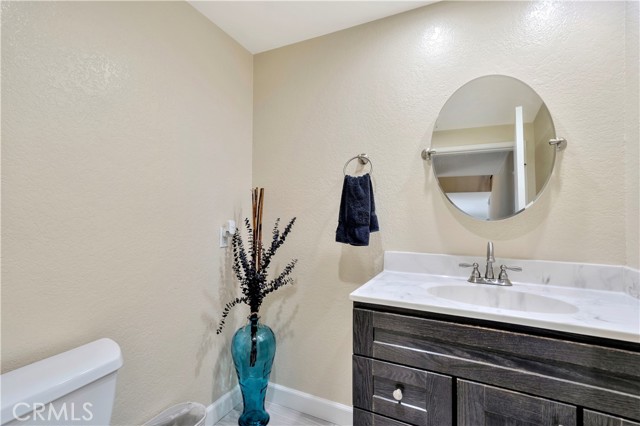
485,405
591,418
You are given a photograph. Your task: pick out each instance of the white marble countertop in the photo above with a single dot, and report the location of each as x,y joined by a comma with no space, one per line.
587,311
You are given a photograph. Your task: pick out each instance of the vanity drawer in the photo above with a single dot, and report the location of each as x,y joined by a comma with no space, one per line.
365,418
426,397
591,418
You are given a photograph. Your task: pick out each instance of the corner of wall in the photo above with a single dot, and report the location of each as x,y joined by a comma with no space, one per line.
632,133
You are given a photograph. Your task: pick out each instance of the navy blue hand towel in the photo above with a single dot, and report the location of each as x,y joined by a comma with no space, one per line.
357,217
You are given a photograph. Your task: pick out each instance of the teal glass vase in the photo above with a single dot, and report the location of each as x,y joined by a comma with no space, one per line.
253,348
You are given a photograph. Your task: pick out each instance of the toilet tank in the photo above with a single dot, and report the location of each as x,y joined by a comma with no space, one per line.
76,387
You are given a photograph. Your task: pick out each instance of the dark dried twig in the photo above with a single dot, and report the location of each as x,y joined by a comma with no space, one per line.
251,268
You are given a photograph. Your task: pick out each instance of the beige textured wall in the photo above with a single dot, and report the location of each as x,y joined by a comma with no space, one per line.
378,88
126,143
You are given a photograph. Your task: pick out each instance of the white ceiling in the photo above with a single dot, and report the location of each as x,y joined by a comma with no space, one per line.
264,25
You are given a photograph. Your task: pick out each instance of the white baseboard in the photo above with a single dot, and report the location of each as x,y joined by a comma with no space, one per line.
333,412
338,414
222,406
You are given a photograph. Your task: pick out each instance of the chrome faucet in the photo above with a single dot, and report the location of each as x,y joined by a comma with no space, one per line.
489,278
488,272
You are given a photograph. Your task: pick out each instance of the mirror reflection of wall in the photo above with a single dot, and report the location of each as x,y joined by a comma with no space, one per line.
490,145
543,156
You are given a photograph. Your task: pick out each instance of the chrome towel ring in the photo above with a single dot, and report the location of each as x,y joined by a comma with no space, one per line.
362,158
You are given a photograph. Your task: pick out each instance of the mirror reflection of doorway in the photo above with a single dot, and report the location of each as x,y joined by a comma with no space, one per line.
479,181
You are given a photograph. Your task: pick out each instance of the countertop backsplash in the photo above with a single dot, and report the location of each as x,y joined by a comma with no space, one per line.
567,274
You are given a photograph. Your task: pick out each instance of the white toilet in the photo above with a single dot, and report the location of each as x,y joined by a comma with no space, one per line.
76,387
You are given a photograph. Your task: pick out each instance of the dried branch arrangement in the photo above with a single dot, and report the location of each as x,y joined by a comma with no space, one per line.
251,262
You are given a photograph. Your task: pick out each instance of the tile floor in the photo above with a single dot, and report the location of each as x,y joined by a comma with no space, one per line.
280,416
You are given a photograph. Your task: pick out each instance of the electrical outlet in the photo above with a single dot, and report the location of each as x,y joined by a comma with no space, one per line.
224,238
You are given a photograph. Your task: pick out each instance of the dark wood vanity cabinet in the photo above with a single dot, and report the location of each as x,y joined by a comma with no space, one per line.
454,371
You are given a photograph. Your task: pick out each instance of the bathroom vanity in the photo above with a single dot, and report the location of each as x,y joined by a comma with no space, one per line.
423,359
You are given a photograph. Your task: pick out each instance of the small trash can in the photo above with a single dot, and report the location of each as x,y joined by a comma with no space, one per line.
185,414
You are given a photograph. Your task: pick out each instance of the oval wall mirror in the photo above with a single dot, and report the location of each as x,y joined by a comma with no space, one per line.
493,147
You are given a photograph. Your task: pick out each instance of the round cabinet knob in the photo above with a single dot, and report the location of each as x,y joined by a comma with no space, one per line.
397,394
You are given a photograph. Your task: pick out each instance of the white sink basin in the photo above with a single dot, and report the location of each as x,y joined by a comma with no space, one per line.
502,298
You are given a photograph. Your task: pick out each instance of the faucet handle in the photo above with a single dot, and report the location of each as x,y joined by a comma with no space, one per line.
503,271
475,274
